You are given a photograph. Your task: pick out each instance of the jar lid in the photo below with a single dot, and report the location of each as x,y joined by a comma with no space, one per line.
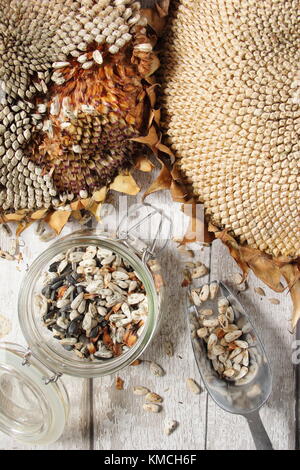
33,408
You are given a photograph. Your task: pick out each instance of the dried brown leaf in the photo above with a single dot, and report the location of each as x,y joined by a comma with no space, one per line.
163,181
144,164
125,184
57,220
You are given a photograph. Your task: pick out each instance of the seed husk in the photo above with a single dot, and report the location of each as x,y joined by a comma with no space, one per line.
153,398
168,348
193,386
141,391
156,369
259,291
233,335
152,407
202,332
274,301
170,427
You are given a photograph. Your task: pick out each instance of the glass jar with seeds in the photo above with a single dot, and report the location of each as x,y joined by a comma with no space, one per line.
88,306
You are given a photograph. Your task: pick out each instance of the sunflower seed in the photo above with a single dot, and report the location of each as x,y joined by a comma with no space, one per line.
233,335
213,289
204,294
195,298
206,312
202,332
168,348
152,407
274,301
199,271
153,398
141,391
229,373
210,323
156,370
170,427
193,386
223,304
259,291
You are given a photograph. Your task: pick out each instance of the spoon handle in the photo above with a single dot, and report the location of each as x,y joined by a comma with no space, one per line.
258,431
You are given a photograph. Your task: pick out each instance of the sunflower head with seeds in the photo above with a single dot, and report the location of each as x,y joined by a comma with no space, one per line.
75,77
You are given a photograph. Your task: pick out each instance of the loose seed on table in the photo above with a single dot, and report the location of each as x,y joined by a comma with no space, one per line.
170,427
168,348
193,386
141,391
153,398
152,407
156,370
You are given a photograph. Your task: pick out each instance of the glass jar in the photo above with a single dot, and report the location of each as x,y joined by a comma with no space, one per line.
37,408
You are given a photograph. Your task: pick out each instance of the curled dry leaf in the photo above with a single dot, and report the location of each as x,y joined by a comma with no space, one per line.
144,164
58,219
125,184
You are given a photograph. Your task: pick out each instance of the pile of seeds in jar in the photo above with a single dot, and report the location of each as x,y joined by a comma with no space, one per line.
226,346
93,302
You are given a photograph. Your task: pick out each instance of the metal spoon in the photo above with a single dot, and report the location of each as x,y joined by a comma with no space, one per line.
246,396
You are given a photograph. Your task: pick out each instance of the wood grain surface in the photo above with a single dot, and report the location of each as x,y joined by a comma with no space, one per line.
102,417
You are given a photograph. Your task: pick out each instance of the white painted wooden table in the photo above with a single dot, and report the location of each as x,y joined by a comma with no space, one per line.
103,418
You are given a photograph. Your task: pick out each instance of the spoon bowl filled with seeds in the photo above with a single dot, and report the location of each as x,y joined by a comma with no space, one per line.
230,356
89,305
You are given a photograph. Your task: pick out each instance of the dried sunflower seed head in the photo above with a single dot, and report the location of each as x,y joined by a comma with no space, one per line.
73,97
238,139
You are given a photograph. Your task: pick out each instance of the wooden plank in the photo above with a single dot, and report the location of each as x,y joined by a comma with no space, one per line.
76,435
231,432
119,420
